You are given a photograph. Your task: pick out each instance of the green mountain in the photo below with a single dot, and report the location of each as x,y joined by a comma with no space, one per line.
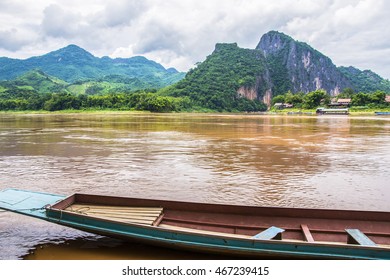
365,81
230,79
73,64
39,81
277,65
108,84
228,70
297,67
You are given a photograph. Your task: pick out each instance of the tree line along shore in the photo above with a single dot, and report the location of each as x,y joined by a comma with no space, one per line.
155,101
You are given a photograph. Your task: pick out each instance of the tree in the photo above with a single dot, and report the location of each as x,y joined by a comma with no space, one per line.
278,99
62,101
295,99
346,93
360,99
315,98
377,97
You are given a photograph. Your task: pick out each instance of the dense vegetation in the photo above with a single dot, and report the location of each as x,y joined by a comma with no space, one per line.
25,100
72,78
73,64
36,90
318,98
365,81
38,81
214,83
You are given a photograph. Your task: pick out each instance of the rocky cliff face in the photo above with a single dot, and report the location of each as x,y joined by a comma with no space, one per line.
278,64
298,67
261,90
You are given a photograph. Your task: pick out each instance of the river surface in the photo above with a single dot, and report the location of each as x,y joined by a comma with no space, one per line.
335,162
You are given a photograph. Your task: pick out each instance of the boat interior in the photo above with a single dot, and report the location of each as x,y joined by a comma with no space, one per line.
302,226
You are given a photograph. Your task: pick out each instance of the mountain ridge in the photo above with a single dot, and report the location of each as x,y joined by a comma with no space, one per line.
72,63
304,68
287,65
229,79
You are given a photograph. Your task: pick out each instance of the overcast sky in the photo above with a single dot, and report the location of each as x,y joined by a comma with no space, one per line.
179,33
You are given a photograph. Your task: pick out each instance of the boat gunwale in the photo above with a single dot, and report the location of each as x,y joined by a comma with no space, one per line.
361,215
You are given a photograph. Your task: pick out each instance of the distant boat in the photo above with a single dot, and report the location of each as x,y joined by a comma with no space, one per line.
299,113
323,111
235,230
382,113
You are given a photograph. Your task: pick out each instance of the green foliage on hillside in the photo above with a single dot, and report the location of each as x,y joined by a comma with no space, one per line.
36,90
40,82
279,73
365,81
72,64
108,84
214,83
35,80
72,78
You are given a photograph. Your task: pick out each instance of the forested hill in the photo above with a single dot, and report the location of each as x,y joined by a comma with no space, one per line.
214,83
277,65
229,79
73,63
365,81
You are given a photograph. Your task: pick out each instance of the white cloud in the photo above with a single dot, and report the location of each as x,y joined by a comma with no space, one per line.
350,33
14,39
122,12
58,22
180,33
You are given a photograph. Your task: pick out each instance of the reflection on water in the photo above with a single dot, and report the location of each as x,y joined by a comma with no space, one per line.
322,162
110,249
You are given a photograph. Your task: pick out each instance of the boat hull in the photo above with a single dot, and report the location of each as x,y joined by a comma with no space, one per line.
217,244
212,237
382,113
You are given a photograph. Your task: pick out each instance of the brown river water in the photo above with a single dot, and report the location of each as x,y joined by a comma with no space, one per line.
335,162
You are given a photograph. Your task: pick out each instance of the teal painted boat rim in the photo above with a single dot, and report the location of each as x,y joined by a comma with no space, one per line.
29,203
308,233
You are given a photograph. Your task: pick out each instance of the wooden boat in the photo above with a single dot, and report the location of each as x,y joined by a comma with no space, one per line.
382,113
332,111
238,230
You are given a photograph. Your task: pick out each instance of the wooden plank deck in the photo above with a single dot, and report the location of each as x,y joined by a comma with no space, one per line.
133,215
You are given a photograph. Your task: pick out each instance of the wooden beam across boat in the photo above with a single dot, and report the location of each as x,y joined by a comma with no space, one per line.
307,233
